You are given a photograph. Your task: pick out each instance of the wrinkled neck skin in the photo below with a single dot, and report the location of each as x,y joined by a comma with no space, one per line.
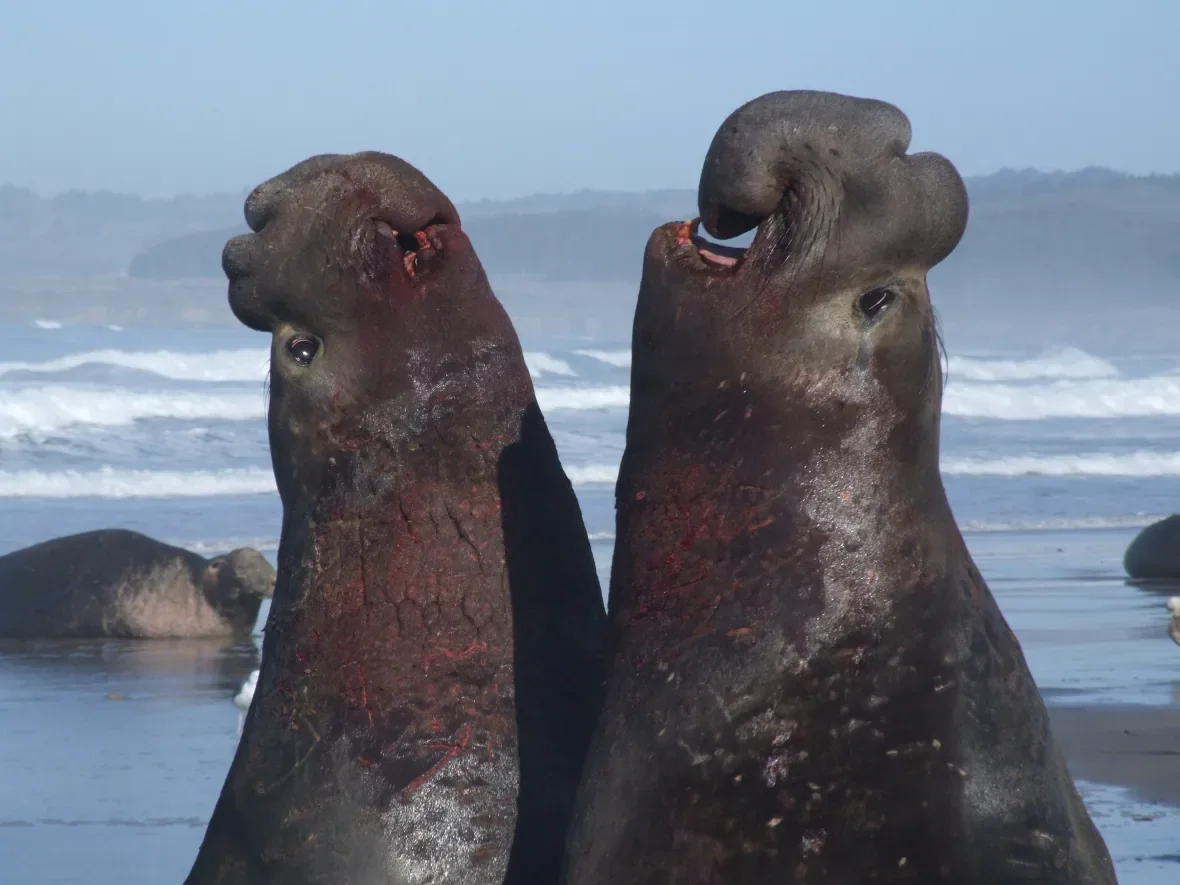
387,678
823,473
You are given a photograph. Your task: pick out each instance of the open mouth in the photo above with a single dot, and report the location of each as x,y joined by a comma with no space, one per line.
713,255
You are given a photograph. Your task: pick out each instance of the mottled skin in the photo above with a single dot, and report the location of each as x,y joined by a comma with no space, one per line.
809,680
119,583
1154,555
437,614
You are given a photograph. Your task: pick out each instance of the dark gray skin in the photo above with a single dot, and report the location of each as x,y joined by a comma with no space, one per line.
1154,555
433,663
119,583
810,682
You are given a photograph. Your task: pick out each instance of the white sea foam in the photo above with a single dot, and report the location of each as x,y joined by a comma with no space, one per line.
108,482
541,363
1058,525
593,474
1099,398
241,364
554,399
47,324
1122,464
1065,362
618,358
40,410
217,546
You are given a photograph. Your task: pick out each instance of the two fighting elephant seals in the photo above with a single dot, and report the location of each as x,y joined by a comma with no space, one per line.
807,679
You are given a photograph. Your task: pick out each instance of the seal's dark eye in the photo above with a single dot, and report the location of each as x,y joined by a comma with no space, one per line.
872,303
303,349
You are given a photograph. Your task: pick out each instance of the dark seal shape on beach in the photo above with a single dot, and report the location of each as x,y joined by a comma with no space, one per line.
809,680
437,615
119,583
1154,555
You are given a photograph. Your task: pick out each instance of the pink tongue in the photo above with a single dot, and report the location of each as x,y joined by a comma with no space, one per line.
714,258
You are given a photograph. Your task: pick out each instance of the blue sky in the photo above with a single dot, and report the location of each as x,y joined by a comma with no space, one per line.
502,99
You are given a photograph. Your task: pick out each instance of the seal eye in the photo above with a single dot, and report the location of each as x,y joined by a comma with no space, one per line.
303,349
873,302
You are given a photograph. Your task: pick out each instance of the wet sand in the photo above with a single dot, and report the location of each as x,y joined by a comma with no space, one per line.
1131,746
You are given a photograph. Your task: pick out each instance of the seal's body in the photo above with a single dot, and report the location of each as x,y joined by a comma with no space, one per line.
433,661
810,681
1154,554
121,584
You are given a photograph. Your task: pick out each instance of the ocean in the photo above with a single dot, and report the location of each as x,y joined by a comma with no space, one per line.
113,753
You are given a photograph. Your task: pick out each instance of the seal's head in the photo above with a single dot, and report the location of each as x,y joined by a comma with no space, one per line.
243,572
235,585
382,321
830,298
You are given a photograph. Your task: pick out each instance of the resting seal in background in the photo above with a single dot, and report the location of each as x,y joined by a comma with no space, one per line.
428,528
1154,555
810,681
119,583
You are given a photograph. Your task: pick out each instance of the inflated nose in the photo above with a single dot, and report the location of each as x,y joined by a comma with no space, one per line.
836,167
322,198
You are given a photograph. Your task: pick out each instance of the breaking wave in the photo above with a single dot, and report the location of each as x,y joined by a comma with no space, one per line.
108,482
618,358
41,410
239,364
1065,362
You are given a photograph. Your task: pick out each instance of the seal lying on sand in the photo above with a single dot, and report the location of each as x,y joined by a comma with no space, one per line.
810,681
428,528
119,583
1154,555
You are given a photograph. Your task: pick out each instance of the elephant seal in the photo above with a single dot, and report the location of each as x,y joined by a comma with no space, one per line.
433,663
809,681
119,583
1154,555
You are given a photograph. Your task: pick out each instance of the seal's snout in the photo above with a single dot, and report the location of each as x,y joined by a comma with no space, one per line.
827,169
362,214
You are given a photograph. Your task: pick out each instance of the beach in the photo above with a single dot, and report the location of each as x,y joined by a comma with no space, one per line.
115,751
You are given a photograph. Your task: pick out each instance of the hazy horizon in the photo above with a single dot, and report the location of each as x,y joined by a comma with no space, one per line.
572,190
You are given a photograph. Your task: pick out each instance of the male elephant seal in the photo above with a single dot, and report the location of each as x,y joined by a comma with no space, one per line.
810,681
437,611
119,583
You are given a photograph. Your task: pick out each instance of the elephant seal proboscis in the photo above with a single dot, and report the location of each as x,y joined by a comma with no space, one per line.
809,680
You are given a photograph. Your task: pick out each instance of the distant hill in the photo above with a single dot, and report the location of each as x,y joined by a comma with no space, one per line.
1065,247
1029,231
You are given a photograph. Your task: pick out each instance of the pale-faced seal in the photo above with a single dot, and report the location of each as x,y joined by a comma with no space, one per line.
119,583
428,527
1154,555
810,681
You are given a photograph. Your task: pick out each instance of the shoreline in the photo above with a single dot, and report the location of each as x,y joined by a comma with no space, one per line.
1136,747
